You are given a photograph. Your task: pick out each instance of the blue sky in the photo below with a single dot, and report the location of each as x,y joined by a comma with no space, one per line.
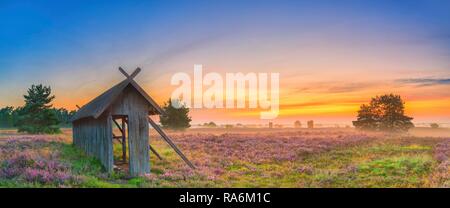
76,46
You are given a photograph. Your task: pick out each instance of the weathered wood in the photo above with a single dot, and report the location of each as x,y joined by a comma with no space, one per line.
118,126
93,136
124,141
169,141
156,108
132,74
132,104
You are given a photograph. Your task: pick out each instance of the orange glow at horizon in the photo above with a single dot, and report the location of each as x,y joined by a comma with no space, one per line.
294,105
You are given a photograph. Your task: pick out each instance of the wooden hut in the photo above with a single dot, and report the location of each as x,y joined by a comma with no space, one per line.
127,106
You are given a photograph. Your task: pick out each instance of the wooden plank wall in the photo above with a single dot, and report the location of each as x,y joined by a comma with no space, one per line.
94,137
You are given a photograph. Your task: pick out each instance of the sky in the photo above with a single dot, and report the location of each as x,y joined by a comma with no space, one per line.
332,56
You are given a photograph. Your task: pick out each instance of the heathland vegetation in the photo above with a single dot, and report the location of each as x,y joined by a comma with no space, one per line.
241,158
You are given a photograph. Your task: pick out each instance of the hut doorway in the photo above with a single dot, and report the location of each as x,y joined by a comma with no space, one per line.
120,136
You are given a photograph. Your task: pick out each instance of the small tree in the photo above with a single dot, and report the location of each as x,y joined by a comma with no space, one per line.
210,124
384,113
434,125
175,118
310,124
7,117
37,116
297,124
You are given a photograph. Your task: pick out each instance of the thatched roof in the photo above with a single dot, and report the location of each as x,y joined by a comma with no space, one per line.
98,105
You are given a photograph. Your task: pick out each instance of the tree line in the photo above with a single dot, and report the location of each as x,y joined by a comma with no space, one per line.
10,115
37,115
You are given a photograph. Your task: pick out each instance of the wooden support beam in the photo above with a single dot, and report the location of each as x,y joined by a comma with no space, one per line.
122,138
118,126
124,141
154,151
117,138
169,141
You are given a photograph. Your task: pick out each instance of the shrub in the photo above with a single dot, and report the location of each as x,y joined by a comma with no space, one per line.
434,125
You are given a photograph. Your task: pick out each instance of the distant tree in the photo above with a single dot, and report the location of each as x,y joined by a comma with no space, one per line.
7,117
310,124
384,113
64,116
210,124
175,118
434,125
37,116
298,124
229,126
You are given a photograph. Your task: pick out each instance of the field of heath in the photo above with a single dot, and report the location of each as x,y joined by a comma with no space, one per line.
241,158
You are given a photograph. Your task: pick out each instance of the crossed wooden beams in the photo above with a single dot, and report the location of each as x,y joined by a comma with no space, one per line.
133,75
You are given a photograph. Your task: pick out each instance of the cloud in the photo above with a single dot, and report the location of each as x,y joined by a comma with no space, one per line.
332,87
425,81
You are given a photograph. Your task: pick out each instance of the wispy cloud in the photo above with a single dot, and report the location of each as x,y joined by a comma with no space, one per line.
329,87
425,81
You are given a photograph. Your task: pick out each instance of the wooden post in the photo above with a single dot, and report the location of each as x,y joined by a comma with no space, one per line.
124,143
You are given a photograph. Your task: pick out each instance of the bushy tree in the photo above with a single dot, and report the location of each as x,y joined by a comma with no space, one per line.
7,117
175,118
37,116
434,125
384,113
64,116
310,124
210,124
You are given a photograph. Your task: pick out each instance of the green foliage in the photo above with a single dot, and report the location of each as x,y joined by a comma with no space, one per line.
7,118
298,124
37,116
210,124
175,118
80,163
63,116
384,113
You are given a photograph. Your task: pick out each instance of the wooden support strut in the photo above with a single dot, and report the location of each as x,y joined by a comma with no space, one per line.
122,138
154,152
169,141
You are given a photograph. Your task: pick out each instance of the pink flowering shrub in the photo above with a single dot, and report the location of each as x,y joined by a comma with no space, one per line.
442,151
21,161
259,148
442,156
214,155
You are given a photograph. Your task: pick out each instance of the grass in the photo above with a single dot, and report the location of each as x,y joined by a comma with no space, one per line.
374,165
385,161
